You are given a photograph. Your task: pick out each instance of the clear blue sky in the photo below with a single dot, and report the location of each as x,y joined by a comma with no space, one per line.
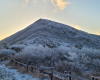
18,14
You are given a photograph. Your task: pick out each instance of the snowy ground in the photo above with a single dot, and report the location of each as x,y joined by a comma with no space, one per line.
12,74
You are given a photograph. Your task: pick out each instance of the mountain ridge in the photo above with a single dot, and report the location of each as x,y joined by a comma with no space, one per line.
45,31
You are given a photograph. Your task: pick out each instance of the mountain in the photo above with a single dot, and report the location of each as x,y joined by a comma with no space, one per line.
53,34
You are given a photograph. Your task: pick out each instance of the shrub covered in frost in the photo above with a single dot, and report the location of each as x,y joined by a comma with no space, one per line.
61,58
5,52
46,56
43,53
17,48
89,57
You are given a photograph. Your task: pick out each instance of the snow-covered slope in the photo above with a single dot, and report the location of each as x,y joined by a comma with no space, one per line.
13,74
53,34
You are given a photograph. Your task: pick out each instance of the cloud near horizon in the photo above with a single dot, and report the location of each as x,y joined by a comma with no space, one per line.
58,4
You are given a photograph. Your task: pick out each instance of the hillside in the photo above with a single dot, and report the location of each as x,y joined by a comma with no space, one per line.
53,34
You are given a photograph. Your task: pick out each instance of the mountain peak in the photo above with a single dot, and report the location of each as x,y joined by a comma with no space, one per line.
42,20
47,32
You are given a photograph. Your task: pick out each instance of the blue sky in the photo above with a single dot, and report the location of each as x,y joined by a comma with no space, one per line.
18,14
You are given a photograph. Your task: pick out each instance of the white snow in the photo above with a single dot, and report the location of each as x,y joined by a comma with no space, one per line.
12,74
49,32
